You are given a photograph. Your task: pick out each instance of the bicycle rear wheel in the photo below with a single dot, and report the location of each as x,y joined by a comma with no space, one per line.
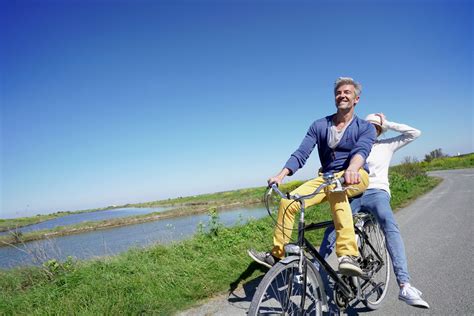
376,261
282,290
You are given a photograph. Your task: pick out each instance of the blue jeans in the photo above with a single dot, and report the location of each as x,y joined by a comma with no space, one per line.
377,202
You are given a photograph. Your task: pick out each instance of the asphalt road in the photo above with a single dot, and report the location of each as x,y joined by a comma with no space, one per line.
438,233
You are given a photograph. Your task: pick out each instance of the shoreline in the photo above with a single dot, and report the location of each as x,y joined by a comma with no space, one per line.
13,239
40,218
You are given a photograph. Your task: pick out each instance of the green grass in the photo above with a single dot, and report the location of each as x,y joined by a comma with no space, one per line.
13,223
457,162
219,199
405,190
416,168
159,280
8,224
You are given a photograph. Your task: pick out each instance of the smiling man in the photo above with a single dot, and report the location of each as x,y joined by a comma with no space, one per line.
344,141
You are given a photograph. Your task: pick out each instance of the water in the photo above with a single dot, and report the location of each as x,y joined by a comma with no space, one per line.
113,241
91,216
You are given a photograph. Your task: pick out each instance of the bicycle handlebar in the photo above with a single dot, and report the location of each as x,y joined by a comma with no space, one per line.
329,179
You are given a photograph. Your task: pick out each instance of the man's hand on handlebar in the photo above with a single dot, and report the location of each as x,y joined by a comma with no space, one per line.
274,180
351,177
279,177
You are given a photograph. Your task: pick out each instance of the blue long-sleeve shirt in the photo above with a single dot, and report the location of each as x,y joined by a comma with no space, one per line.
357,139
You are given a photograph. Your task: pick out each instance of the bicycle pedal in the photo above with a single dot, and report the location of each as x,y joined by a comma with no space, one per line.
365,276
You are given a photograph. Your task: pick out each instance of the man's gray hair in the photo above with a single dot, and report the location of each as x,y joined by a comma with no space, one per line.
347,80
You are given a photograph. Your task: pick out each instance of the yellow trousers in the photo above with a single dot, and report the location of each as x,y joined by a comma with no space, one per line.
341,214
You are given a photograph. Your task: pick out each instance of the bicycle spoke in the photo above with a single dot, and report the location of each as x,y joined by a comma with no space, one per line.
282,292
376,261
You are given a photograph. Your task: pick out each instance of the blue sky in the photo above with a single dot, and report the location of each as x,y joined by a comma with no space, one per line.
114,102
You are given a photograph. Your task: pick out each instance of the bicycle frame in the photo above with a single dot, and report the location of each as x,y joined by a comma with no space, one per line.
344,286
303,243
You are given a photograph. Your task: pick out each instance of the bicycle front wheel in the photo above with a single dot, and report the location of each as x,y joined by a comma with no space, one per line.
286,291
376,260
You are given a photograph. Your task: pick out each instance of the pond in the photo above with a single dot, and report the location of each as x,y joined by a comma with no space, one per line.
115,240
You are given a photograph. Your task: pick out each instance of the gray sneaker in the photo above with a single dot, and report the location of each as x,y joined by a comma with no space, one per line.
265,258
349,266
412,296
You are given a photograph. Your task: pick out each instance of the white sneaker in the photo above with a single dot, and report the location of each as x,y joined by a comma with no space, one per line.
412,296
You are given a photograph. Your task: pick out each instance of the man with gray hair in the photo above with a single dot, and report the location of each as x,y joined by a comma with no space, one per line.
344,142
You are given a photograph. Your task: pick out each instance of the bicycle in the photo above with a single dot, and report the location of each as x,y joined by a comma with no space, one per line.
294,286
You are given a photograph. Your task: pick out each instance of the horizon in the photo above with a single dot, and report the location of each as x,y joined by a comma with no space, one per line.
103,208
107,103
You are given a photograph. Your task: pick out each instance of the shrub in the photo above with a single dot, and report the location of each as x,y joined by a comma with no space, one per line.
409,168
437,153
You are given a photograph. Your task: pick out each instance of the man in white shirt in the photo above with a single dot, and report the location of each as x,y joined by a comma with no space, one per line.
376,200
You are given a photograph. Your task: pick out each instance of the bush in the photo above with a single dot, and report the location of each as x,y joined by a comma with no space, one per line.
409,168
437,153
